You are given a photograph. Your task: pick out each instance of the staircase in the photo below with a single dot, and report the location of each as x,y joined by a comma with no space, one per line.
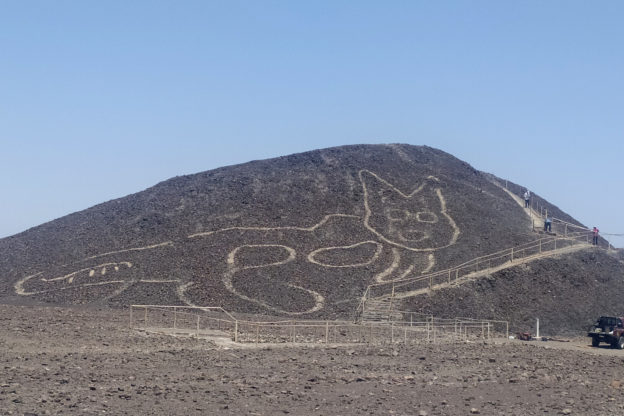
380,310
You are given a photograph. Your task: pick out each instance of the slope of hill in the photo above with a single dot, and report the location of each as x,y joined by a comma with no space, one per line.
300,235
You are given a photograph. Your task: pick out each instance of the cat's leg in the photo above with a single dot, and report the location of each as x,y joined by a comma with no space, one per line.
406,265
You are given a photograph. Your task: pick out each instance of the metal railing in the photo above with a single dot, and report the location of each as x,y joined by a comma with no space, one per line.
409,286
203,320
207,322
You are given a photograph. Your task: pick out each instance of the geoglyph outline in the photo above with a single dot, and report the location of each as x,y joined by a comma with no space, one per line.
182,289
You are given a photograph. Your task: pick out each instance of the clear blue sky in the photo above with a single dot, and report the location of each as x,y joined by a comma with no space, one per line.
102,99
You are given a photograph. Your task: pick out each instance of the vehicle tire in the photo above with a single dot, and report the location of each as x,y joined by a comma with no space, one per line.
620,343
595,341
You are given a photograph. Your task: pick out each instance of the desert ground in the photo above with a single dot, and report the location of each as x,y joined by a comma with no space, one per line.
89,361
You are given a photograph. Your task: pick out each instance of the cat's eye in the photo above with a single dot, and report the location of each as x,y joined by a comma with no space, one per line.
397,214
427,216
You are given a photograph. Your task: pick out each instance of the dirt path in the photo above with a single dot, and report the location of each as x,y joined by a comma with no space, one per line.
488,271
536,220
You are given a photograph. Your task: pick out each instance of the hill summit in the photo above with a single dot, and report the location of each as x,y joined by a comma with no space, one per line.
300,235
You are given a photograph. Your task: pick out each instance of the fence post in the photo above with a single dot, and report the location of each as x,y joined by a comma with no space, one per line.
363,306
145,318
449,279
257,333
198,324
392,332
236,330
326,332
175,318
131,325
512,254
555,243
456,275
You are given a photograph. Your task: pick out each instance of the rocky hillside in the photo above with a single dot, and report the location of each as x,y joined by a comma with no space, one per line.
301,235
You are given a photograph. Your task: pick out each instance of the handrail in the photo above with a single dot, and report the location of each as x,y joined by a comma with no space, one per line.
502,253
540,244
526,245
507,253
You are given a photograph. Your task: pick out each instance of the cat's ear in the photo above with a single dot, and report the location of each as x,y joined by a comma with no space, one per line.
378,188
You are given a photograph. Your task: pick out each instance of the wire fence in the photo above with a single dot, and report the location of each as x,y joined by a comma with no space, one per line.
216,322
409,286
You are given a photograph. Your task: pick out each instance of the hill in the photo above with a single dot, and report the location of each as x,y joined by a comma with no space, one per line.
300,235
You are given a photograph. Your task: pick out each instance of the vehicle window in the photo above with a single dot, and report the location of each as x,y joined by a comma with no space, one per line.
607,321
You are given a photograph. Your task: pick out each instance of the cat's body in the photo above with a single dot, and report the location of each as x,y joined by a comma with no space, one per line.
291,270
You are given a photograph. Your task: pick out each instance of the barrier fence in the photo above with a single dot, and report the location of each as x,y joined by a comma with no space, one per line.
403,287
203,320
206,322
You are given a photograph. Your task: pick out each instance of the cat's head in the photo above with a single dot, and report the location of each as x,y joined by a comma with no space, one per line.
417,221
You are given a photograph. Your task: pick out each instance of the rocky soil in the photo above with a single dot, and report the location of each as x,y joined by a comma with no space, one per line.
86,361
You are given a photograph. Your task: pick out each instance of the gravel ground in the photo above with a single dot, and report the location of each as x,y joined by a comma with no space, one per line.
87,361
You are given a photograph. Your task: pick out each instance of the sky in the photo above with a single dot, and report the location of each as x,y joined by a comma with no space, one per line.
99,100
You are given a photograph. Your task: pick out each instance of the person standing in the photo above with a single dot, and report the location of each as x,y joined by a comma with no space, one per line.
527,198
547,224
595,232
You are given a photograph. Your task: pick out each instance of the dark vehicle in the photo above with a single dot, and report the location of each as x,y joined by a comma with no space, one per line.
609,329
